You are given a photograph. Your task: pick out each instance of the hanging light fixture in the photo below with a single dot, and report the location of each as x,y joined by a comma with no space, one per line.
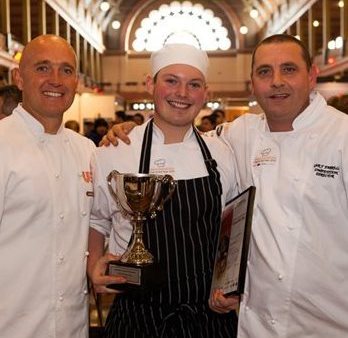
254,13
243,29
116,24
104,6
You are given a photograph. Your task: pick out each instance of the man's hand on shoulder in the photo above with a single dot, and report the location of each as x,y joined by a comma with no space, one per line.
118,132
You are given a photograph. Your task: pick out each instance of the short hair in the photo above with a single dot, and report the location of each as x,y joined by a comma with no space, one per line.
121,114
211,118
141,116
217,111
283,38
100,122
73,125
12,96
11,90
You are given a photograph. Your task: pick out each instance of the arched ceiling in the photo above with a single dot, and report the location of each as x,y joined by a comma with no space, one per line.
86,24
274,17
85,16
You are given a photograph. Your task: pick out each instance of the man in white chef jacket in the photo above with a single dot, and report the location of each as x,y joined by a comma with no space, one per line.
296,154
45,199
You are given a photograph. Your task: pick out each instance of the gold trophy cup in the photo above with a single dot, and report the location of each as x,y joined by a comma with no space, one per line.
139,197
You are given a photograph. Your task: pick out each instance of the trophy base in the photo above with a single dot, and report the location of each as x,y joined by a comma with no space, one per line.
139,278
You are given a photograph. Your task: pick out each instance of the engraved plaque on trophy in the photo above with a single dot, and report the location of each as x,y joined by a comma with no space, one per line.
139,197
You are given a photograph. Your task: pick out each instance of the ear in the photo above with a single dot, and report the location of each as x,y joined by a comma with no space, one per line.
252,86
313,74
150,84
17,78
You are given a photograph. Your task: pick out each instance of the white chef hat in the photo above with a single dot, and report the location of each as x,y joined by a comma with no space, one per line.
179,53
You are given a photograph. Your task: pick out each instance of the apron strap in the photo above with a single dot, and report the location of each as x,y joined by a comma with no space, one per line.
144,165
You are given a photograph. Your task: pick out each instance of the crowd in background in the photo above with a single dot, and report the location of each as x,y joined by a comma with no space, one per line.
10,96
97,129
209,122
340,102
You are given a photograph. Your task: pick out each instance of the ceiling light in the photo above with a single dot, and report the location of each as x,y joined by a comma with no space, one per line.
341,4
243,29
316,23
254,13
104,6
138,45
331,44
116,24
331,60
339,42
224,44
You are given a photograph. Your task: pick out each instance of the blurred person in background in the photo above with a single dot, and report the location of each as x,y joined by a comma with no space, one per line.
100,129
208,123
333,101
120,116
138,118
73,125
10,96
87,127
339,102
220,116
344,103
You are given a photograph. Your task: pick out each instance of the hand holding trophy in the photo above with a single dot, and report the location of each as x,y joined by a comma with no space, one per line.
139,196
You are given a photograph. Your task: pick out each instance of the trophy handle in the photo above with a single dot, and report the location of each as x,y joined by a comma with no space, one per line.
167,189
109,179
168,181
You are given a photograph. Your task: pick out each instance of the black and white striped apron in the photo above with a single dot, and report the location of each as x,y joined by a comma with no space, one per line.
183,238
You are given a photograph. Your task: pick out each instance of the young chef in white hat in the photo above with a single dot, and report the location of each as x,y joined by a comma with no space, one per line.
183,236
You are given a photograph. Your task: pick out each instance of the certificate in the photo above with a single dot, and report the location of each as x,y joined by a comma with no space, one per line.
233,244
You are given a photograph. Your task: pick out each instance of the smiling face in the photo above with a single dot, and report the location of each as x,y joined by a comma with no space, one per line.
48,78
179,94
281,83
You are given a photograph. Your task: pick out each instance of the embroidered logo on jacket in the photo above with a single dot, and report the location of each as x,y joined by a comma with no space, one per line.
161,162
87,176
264,157
323,170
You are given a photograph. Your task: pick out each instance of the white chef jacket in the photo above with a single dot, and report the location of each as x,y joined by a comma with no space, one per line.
297,276
181,160
45,202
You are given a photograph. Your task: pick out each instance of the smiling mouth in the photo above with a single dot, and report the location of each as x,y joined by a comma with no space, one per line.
279,96
179,104
52,94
